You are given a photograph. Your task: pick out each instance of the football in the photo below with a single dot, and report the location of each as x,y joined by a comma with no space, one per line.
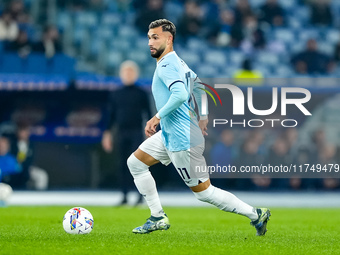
78,220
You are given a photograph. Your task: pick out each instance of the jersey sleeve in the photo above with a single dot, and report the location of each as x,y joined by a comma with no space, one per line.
178,96
169,74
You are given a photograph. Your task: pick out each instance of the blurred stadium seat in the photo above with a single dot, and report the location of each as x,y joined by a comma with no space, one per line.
37,63
285,35
215,58
236,57
190,57
207,71
103,38
12,63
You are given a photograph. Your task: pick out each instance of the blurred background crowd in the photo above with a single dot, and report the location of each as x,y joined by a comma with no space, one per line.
281,38
59,59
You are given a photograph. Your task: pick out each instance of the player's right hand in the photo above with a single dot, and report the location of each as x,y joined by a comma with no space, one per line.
151,125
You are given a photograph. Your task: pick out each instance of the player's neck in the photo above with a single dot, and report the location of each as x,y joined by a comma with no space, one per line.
165,52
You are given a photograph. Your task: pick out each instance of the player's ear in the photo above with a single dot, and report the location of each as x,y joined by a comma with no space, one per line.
169,40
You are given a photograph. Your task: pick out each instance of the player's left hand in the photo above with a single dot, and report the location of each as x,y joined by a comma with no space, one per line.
151,125
203,126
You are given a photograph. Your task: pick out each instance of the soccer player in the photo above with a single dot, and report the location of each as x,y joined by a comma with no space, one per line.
180,140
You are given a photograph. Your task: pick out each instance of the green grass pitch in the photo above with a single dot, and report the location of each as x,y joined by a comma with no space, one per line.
38,230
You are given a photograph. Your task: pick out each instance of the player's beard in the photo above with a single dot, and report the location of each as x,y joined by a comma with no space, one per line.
158,52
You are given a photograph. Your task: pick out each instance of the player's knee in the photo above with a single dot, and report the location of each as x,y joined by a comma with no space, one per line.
136,166
205,195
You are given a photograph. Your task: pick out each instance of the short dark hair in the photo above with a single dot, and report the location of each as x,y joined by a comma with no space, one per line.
166,25
246,65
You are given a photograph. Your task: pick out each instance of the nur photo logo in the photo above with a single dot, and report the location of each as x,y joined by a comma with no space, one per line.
239,103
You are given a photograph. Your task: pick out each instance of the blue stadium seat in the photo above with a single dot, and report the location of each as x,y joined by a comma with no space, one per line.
306,34
114,58
12,63
124,46
127,32
105,33
263,69
215,58
302,13
194,43
326,47
141,43
332,36
285,35
80,33
173,10
36,63
148,69
62,64
86,19
267,58
283,71
190,57
64,20
256,3
141,57
95,46
294,22
236,57
207,71
229,71
288,4
110,19
297,47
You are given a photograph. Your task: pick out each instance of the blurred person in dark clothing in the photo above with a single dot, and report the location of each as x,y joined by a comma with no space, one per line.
327,156
50,43
337,53
321,13
253,35
30,177
222,152
128,107
303,156
250,156
23,150
242,10
21,45
8,163
25,24
16,7
191,22
279,155
272,13
311,61
151,11
228,33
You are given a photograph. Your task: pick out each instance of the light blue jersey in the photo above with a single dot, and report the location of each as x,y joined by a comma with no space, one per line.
179,124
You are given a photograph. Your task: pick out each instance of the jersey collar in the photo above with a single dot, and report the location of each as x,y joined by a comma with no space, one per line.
168,54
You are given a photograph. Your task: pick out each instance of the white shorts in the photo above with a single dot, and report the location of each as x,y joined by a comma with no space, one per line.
186,162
